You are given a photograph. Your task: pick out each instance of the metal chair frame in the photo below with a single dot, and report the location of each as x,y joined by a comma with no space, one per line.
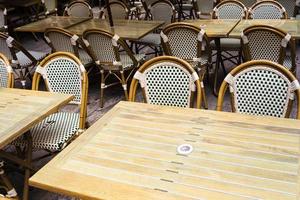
259,4
78,2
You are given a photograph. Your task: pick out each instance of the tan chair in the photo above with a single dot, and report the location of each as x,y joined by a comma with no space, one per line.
169,81
119,10
62,72
104,48
50,7
261,87
204,8
267,9
78,8
6,73
266,42
195,48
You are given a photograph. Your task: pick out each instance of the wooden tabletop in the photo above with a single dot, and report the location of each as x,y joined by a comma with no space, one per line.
131,153
50,22
215,27
22,109
289,25
127,29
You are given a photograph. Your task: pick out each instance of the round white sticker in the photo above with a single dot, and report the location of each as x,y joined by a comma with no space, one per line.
185,149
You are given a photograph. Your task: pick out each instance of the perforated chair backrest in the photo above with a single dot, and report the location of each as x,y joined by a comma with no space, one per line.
230,9
204,6
4,49
162,11
260,88
265,42
290,7
6,73
118,9
78,9
267,9
167,81
50,5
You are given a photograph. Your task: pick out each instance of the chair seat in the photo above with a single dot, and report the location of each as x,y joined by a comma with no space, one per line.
25,61
151,38
228,43
127,62
84,57
54,132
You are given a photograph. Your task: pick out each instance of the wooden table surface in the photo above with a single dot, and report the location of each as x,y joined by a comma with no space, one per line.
22,109
214,27
50,22
289,25
127,29
131,153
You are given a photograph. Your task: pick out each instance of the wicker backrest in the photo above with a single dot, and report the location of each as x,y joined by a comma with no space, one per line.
290,7
50,6
3,19
162,10
267,9
78,8
4,48
167,81
190,47
204,7
265,42
6,73
261,88
230,9
119,10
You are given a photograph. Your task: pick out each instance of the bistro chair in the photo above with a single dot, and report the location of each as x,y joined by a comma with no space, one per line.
50,7
119,10
290,7
162,10
78,8
204,8
6,73
261,87
169,81
104,48
62,72
62,40
266,42
183,7
194,48
267,9
3,19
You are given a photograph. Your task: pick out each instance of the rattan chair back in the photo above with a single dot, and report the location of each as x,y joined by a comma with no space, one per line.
230,9
261,87
64,73
50,6
267,9
119,10
204,7
162,10
78,8
167,81
290,7
265,42
6,73
3,19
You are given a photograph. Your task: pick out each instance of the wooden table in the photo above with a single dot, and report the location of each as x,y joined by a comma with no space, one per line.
288,25
127,29
50,22
215,27
20,110
131,153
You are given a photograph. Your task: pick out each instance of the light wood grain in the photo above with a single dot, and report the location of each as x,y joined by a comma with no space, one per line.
288,25
22,109
130,153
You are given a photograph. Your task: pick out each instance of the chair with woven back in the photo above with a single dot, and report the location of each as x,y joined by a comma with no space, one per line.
3,19
78,8
104,48
261,87
290,7
119,10
195,48
169,81
62,40
267,9
204,8
64,73
266,42
50,7
6,73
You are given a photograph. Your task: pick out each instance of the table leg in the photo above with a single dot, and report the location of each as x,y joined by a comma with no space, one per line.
218,46
28,138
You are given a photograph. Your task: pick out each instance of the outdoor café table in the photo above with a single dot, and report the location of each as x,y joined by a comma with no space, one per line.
126,29
290,26
132,153
50,22
20,110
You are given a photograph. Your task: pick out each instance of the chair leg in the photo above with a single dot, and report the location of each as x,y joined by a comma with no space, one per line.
102,87
205,104
28,162
124,85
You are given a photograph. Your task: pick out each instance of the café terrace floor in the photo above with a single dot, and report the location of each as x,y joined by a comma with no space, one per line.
112,96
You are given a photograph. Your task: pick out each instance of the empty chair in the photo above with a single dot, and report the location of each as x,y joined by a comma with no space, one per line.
204,8
104,47
62,72
267,9
290,7
62,40
119,10
261,87
78,8
265,42
50,7
3,19
6,73
194,48
169,81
